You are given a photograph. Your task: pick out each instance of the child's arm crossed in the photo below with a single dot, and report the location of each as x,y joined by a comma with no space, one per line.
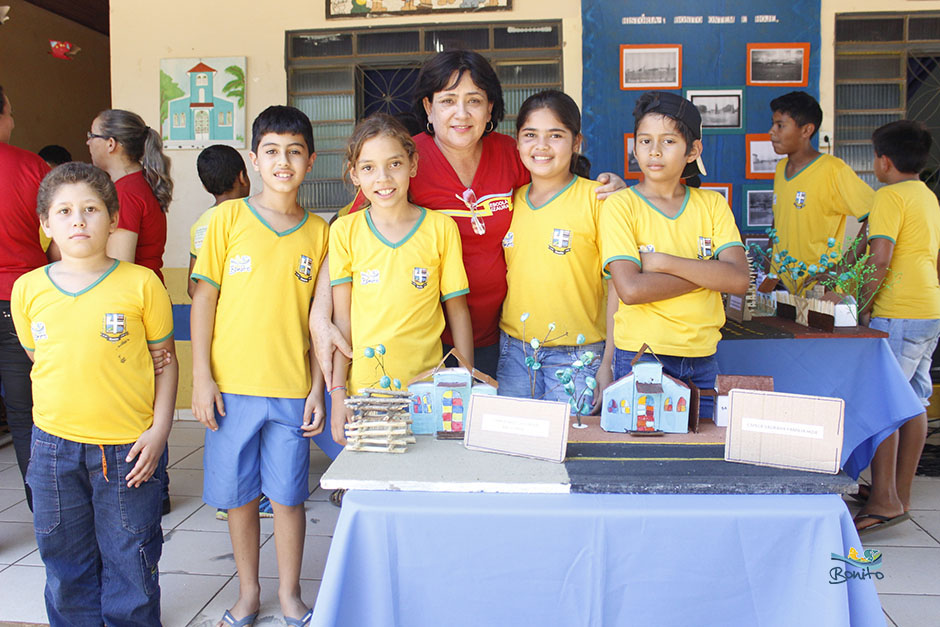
727,273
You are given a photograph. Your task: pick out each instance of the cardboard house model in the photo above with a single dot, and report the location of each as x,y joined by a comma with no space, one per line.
442,403
646,401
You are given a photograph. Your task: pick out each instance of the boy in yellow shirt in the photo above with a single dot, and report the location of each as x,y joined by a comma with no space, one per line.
101,416
255,382
670,249
813,192
904,240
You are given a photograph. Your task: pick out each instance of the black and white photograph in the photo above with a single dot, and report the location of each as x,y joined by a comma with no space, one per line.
760,207
761,158
721,109
778,64
650,66
722,188
761,240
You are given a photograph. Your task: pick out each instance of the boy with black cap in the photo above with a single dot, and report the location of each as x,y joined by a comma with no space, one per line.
670,249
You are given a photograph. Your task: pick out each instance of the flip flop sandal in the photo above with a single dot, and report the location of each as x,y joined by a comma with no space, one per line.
881,522
248,621
300,622
863,494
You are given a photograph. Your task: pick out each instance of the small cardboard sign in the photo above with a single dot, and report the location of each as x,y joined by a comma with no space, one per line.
517,426
785,430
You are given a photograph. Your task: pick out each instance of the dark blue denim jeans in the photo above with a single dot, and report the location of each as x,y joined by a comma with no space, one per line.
17,390
699,370
99,539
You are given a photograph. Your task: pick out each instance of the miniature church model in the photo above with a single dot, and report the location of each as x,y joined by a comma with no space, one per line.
646,401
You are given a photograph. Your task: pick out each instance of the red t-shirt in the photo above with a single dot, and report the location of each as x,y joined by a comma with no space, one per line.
141,213
20,250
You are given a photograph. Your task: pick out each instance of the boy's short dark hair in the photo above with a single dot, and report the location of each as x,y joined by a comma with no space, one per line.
70,174
800,106
281,120
218,167
53,153
906,142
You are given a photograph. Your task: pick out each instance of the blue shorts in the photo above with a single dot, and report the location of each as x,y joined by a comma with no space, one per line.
913,342
259,447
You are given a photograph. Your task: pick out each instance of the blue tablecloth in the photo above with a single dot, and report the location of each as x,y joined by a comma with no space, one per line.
862,371
413,559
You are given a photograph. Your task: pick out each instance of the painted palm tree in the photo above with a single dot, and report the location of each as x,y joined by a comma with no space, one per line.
235,88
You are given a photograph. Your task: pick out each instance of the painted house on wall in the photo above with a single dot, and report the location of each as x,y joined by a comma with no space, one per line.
646,400
201,115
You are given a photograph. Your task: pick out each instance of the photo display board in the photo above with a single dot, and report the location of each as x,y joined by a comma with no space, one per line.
731,57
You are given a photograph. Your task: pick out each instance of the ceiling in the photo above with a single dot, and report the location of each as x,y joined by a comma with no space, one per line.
90,13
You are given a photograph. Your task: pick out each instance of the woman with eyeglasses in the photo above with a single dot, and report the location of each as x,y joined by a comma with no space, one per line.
468,171
131,152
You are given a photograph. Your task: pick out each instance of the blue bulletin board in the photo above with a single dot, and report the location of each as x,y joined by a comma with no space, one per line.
714,37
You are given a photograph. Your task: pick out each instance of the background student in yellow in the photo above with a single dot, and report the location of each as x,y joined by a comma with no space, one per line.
552,255
101,421
670,249
391,267
904,240
813,192
255,381
222,173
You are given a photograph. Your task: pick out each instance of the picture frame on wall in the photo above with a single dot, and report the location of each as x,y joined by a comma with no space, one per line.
373,8
722,109
758,207
761,240
761,158
631,167
650,66
778,64
722,188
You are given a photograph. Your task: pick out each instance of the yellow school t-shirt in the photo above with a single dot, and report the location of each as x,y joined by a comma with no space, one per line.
686,325
93,374
261,341
553,261
397,291
907,213
811,206
197,234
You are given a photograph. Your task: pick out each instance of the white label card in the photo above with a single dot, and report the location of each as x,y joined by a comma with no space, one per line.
515,425
814,432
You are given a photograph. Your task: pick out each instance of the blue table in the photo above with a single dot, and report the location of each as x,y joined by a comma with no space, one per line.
416,559
862,371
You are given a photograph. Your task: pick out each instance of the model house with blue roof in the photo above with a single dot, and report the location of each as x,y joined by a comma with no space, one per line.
646,401
201,115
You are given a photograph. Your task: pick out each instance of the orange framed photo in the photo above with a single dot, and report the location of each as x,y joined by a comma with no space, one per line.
651,66
631,167
778,65
761,158
722,188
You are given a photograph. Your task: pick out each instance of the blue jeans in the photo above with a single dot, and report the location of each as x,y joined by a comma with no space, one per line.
913,342
17,390
699,370
513,375
99,539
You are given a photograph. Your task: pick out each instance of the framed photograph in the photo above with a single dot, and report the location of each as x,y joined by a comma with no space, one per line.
650,66
758,207
761,158
722,109
631,167
367,8
778,65
761,240
722,188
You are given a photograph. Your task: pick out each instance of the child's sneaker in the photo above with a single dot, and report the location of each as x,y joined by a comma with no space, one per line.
265,510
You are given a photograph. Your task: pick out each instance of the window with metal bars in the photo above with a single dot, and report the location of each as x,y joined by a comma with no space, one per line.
339,78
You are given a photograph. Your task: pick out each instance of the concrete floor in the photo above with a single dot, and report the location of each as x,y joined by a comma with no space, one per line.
197,571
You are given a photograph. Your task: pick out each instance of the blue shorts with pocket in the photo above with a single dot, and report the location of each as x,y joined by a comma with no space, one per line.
913,342
259,447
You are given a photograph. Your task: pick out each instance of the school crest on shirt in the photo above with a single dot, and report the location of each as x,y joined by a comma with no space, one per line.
507,240
646,248
199,237
304,270
799,201
239,263
369,277
113,327
419,278
704,247
38,329
561,241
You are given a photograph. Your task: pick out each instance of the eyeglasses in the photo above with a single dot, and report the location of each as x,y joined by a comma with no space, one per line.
89,135
469,198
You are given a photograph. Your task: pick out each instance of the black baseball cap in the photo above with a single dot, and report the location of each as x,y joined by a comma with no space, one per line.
678,108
